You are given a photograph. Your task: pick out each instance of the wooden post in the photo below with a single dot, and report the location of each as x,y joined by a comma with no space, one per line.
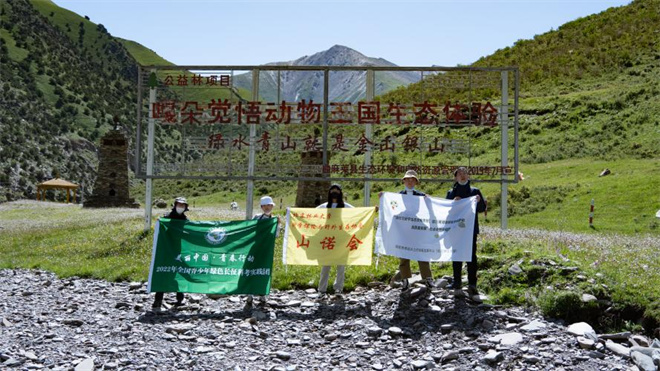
68,195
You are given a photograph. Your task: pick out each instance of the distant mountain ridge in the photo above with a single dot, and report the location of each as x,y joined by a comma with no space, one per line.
344,85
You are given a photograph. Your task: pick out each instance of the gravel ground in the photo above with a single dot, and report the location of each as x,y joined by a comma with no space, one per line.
62,324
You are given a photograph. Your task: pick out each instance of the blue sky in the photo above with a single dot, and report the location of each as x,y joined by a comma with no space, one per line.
416,33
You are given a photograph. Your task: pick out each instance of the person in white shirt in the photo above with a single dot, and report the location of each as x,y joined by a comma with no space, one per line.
335,200
410,181
267,204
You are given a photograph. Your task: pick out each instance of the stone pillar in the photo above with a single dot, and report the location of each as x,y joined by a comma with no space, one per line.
111,186
308,191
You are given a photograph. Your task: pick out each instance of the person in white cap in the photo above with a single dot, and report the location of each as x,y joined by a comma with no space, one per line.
179,208
267,204
410,181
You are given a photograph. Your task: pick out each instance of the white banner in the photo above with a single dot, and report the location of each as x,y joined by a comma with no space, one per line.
425,228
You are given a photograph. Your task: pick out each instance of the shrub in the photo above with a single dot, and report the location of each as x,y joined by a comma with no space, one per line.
560,304
511,296
651,319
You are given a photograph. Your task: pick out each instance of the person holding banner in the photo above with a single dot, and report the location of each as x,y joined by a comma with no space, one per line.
410,180
335,200
267,204
178,212
460,190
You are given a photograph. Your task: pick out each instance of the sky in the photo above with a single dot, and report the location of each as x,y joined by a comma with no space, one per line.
407,33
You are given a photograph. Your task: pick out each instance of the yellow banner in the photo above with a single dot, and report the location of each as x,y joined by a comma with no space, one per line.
341,236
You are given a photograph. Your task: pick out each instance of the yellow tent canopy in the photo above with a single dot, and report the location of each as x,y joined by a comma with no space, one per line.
56,183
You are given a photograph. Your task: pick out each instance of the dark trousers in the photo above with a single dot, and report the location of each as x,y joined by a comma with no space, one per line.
179,296
471,267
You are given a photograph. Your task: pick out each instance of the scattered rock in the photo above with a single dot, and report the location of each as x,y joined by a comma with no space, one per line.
493,357
91,323
449,356
445,329
644,362
585,343
579,328
283,355
640,340
515,270
511,338
73,322
586,298
85,365
618,349
374,331
420,364
534,326
395,331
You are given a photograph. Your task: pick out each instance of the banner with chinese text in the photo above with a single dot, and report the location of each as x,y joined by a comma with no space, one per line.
341,236
425,228
210,257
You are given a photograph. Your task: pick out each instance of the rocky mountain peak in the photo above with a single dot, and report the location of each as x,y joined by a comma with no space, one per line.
345,86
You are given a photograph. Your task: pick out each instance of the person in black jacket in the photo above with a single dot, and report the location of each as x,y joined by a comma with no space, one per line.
178,209
178,212
462,189
410,181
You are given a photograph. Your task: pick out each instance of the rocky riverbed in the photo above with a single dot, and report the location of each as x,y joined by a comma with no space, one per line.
84,324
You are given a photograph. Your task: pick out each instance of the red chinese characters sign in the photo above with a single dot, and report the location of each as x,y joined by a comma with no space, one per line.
309,112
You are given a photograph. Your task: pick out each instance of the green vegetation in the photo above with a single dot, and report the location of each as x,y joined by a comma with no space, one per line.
556,269
589,100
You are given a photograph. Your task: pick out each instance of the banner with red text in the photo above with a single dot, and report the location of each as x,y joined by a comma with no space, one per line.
341,236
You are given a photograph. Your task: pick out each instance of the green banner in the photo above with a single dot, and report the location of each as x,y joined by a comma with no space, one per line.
213,257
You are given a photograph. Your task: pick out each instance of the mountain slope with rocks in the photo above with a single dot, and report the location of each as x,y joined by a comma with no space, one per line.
60,324
344,86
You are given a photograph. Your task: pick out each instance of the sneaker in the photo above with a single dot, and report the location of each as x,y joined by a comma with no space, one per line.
405,284
472,290
458,293
157,304
178,304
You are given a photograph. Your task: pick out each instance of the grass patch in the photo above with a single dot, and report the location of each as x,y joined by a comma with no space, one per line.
556,268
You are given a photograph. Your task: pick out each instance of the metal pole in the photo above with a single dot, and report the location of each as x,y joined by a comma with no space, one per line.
326,93
515,124
150,158
505,146
368,133
138,143
253,134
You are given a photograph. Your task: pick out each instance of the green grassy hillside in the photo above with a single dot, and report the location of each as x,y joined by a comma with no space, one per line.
589,100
